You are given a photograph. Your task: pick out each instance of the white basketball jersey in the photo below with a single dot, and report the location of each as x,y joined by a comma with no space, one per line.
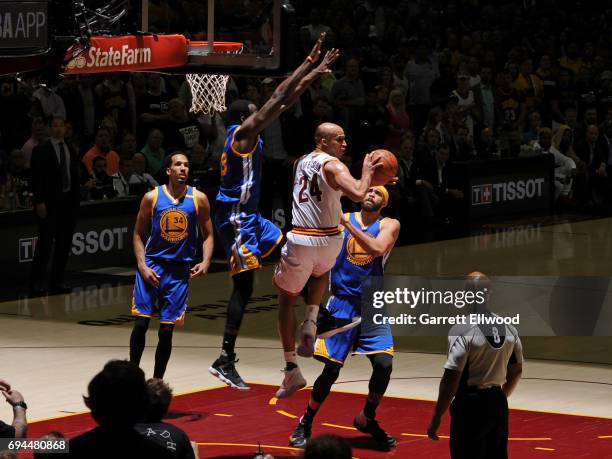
316,205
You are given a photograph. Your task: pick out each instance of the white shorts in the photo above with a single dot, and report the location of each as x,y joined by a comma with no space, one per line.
299,262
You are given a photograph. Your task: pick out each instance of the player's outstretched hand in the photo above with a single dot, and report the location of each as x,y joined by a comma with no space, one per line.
150,276
331,56
432,430
316,49
201,269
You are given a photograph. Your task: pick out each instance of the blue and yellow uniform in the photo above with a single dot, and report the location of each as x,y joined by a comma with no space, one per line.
247,237
171,247
346,286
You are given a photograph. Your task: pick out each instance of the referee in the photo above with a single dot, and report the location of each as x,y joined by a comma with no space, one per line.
484,365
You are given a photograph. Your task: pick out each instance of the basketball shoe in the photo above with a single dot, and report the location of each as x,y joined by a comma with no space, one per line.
224,368
292,382
301,434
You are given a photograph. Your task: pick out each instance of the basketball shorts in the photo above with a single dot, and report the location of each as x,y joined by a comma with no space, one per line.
337,347
299,262
169,300
246,237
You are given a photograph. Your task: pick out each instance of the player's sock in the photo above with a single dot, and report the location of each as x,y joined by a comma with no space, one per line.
309,415
164,349
291,359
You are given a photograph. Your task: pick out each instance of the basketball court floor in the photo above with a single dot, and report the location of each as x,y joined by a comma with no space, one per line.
51,347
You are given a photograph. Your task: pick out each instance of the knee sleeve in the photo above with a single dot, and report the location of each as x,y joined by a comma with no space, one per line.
165,333
141,324
382,366
323,384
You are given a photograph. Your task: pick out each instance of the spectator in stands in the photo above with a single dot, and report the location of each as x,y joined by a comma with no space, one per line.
529,86
593,152
565,95
121,180
100,184
421,72
55,188
462,146
564,167
154,152
18,181
38,137
484,97
163,433
466,102
19,426
117,398
348,94
152,107
129,147
141,181
487,146
403,196
102,149
113,100
51,103
327,446
182,131
315,28
510,111
399,121
530,136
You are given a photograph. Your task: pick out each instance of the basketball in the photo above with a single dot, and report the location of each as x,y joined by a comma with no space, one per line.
388,170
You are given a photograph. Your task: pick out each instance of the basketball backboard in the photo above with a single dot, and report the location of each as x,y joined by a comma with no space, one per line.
265,28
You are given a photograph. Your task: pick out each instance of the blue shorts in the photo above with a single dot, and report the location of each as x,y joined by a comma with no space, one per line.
246,237
337,347
169,300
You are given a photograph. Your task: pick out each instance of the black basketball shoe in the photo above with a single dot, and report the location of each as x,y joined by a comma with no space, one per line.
224,368
372,428
301,434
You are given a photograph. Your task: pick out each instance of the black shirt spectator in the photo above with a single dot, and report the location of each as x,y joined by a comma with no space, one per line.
182,131
163,433
117,397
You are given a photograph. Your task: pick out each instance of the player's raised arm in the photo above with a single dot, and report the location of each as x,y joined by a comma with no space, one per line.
379,245
284,96
340,178
207,233
141,231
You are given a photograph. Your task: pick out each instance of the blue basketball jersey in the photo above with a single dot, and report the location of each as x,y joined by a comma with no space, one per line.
354,263
240,174
174,227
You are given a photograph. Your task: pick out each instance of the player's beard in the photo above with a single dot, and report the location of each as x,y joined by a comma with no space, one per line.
371,207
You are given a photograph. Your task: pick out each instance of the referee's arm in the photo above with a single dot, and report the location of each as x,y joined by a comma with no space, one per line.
514,368
448,388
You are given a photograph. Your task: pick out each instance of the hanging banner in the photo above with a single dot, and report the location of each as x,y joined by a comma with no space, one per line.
127,53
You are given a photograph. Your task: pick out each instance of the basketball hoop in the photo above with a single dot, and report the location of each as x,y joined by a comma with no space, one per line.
208,89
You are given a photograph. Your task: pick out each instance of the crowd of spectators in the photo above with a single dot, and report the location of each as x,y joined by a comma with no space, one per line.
129,412
436,82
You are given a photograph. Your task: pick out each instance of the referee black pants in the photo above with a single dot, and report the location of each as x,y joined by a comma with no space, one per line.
479,425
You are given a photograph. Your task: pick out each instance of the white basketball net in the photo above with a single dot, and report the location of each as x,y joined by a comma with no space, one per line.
208,91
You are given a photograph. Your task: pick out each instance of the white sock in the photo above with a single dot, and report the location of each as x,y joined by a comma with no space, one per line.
291,357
